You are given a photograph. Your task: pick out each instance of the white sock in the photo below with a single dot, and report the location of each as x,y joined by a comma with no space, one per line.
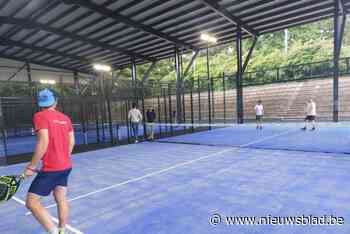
54,231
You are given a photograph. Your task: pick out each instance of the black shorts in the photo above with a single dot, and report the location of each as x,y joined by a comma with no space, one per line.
259,117
45,182
310,117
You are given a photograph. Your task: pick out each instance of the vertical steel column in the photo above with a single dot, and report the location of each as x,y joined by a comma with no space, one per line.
102,105
84,120
134,77
336,66
239,88
143,111
183,106
61,86
103,118
199,100
127,108
97,121
170,110
29,74
3,160
110,120
76,82
212,98
191,63
32,92
179,84
165,110
191,98
339,25
183,90
159,113
224,93
209,86
109,102
148,72
4,138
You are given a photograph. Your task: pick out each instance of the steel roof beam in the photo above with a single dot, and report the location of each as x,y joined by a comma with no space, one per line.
18,8
116,31
83,16
4,4
342,7
34,15
120,18
193,34
189,66
32,24
5,41
230,37
214,5
168,9
278,25
232,3
315,18
51,21
177,23
268,8
16,72
295,17
43,63
148,72
314,5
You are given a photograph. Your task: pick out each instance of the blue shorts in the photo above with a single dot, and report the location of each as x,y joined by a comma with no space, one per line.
45,182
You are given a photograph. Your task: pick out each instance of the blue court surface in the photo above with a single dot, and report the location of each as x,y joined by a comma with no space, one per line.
175,185
26,143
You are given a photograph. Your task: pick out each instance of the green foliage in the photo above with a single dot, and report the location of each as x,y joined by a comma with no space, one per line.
306,44
9,89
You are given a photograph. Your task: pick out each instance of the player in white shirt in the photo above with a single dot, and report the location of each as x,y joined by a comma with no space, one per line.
135,117
259,113
310,114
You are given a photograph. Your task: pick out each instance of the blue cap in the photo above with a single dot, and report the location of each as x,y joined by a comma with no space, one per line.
46,98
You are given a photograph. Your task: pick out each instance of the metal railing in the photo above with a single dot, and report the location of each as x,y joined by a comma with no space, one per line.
296,72
292,72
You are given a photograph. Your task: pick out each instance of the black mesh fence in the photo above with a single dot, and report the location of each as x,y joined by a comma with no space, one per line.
99,107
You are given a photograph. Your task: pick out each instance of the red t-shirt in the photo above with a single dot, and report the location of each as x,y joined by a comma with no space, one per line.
57,156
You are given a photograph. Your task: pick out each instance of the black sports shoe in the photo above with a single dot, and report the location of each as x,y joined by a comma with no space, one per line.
313,129
304,128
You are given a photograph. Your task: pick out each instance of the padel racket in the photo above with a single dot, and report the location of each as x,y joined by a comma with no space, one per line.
9,186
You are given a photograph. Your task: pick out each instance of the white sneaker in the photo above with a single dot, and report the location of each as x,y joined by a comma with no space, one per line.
55,231
64,231
136,141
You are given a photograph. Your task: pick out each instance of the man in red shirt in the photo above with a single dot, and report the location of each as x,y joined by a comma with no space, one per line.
55,142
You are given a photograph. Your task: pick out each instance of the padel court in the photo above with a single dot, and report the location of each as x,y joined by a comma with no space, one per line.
164,96
176,184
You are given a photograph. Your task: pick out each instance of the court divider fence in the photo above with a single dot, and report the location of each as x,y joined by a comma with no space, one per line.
100,109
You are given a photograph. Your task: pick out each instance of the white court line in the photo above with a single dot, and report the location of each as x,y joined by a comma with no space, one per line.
170,168
268,138
143,177
196,125
70,228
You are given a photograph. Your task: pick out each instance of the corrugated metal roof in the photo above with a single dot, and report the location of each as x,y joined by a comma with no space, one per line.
74,33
